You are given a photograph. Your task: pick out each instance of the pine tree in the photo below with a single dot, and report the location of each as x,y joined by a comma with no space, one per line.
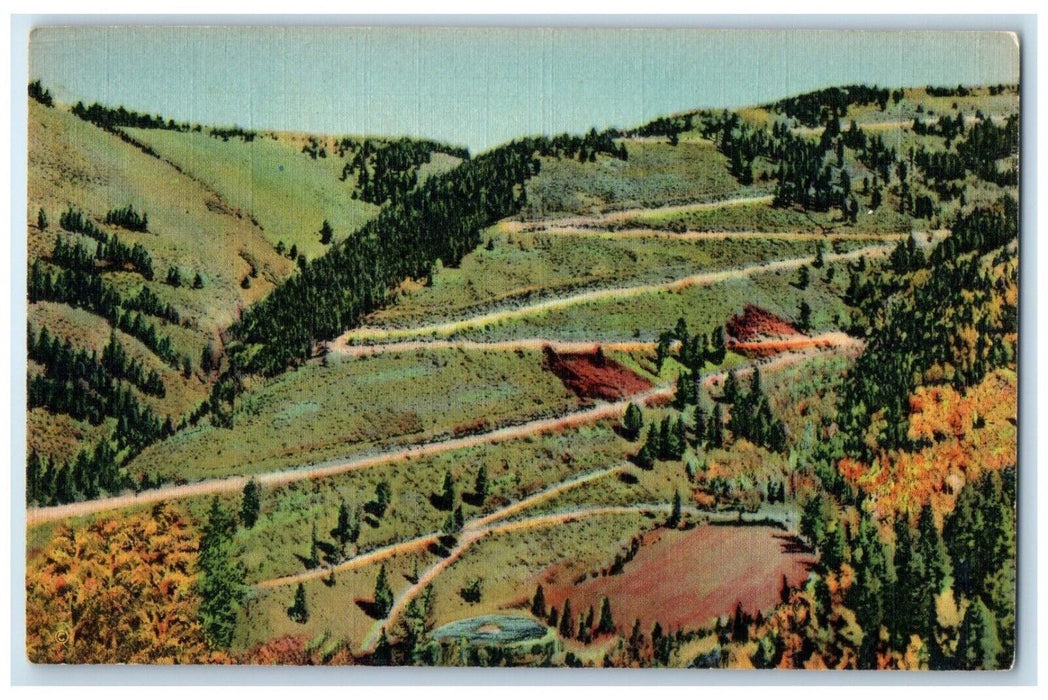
912,594
819,249
731,387
680,438
803,278
41,220
978,647
633,421
447,492
314,549
34,478
606,625
343,529
684,395
718,346
298,612
662,351
251,503
715,432
538,603
700,424
221,580
567,623
383,598
933,550
654,441
480,488
207,357
674,520
740,629
383,497
644,458
326,233
804,316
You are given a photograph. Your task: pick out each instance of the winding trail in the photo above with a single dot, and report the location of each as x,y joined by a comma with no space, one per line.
391,550
232,484
356,562
653,233
365,333
340,347
627,214
568,346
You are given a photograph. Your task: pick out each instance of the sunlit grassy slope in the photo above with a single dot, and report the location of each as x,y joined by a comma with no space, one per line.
288,193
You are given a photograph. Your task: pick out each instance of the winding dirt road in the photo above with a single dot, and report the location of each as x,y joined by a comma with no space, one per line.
628,214
391,550
365,333
561,346
719,235
233,484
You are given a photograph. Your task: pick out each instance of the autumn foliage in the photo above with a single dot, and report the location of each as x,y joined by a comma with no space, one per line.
960,436
117,591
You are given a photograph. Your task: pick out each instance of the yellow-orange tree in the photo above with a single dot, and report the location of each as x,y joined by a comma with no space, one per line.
117,591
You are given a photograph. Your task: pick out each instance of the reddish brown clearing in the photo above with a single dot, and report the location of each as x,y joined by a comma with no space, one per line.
754,323
686,579
592,376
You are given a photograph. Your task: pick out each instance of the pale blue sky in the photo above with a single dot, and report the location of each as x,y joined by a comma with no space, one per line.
481,87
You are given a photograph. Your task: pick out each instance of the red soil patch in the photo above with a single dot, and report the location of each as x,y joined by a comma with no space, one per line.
686,579
759,333
754,323
592,376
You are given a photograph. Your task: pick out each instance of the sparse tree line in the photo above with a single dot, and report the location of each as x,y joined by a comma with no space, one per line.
387,170
87,387
85,290
693,351
831,104
245,135
41,94
984,144
586,627
805,173
90,475
959,91
175,279
813,176
65,363
110,119
128,218
112,253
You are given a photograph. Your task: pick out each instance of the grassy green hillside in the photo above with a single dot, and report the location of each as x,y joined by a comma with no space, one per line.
270,181
655,174
74,165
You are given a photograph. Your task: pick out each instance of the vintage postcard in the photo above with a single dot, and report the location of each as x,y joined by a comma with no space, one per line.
522,347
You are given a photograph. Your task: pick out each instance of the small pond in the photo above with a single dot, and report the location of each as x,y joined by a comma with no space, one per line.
492,629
